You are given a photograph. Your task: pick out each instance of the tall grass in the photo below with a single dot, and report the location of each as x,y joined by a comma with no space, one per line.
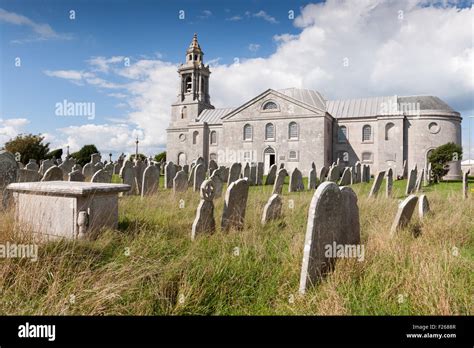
150,266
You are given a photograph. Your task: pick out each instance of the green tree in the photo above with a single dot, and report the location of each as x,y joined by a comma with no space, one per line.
160,157
440,156
83,156
141,156
58,153
29,146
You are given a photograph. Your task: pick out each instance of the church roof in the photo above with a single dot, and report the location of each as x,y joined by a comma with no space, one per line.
213,116
307,96
360,107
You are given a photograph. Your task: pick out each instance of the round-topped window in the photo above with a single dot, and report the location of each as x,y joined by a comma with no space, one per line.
433,127
182,137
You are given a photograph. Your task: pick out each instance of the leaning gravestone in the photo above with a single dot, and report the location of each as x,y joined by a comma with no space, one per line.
26,175
270,180
151,180
280,180
419,181
53,174
260,169
389,183
465,183
423,206
346,177
323,172
218,183
235,204
102,176
312,177
377,183
296,181
180,182
204,221
170,172
333,219
411,183
272,209
76,175
199,176
8,175
127,174
32,165
404,214
234,173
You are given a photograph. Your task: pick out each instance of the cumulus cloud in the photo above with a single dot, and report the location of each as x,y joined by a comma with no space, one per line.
343,50
11,127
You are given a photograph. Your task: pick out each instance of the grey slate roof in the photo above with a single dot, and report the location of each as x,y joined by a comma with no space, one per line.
427,103
307,96
362,107
213,116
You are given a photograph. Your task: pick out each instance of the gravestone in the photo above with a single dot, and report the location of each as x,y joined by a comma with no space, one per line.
405,169
272,210
95,158
27,175
282,165
358,172
253,174
204,221
186,168
117,167
220,173
333,219
419,181
170,172
180,182
199,176
218,183
323,172
366,173
346,177
296,181
200,160
53,174
260,169
235,204
279,181
411,181
76,175
270,180
127,174
333,174
139,167
66,167
77,166
465,183
404,214
247,171
377,183
353,176
102,176
8,174
45,165
312,177
109,167
212,166
151,180
88,171
389,183
429,174
32,165
234,173
423,206
191,176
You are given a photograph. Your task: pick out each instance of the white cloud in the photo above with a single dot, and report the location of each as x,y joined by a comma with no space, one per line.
428,51
43,31
254,47
235,18
205,14
265,16
103,64
11,127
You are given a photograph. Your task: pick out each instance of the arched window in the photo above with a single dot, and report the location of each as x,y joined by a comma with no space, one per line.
247,132
195,137
342,134
183,112
270,106
293,130
367,157
293,155
213,137
366,133
389,131
269,131
181,159
188,84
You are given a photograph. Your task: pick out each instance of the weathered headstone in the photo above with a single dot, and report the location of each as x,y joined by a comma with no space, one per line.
465,183
212,166
272,210
66,167
366,173
270,180
323,172
76,175
404,213
247,171
53,174
186,168
279,181
204,221
199,176
180,182
88,171
32,165
260,169
346,177
376,184
312,177
423,206
411,181
253,174
27,175
102,176
419,181
191,176
333,174
8,174
45,165
296,181
235,204
358,172
234,173
389,183
405,169
333,219
127,174
151,180
170,172
218,183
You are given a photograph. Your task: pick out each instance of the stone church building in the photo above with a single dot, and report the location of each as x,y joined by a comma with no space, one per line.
298,126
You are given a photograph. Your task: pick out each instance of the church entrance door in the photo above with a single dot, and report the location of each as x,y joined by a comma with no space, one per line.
269,159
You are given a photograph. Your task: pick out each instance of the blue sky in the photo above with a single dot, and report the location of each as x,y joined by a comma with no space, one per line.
82,60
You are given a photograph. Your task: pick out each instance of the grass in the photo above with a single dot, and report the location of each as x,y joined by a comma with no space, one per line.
150,266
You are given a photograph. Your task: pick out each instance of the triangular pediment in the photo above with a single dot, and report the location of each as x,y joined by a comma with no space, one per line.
286,107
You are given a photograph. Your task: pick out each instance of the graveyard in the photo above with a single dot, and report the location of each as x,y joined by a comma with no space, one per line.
150,265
